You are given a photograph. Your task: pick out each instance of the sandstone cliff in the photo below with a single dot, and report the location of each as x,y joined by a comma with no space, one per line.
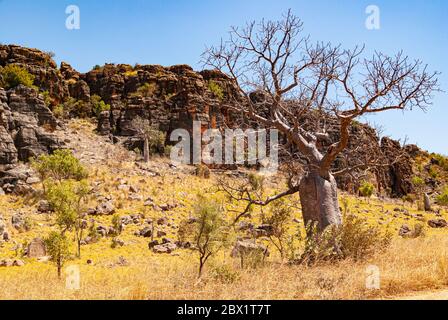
173,98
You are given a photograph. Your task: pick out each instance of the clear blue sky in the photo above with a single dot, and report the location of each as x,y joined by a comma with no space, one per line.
173,32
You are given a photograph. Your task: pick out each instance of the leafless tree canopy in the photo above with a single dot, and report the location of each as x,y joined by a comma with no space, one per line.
300,77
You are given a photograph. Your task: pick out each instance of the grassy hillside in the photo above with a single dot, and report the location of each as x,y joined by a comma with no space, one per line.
133,271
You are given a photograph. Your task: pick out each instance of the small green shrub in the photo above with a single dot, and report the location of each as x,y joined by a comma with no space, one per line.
366,189
354,239
58,249
146,90
256,181
216,89
208,232
13,75
225,274
441,160
98,105
77,108
59,165
442,199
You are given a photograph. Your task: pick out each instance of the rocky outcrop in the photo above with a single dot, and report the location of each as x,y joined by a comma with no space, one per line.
41,65
172,97
25,125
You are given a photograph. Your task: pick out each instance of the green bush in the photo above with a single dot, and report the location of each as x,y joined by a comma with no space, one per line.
146,90
441,160
366,189
58,249
59,166
442,199
208,232
98,105
256,181
216,89
354,239
13,75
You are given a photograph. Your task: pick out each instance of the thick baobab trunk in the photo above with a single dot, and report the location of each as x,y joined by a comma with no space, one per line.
319,199
146,149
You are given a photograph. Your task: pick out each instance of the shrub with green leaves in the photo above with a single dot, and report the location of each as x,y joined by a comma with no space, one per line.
77,108
442,199
216,89
146,90
98,105
57,245
366,189
13,75
208,232
68,199
441,160
60,165
279,219
354,239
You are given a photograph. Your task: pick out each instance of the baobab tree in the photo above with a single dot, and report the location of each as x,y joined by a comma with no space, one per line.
297,78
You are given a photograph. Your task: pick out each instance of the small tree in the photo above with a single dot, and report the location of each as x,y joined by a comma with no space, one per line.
67,199
98,105
58,248
366,190
59,166
279,220
14,75
208,232
153,139
419,185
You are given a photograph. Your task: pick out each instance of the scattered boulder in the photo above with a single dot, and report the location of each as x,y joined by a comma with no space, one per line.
164,248
247,248
161,233
116,242
105,208
404,231
18,221
44,206
145,232
264,230
36,249
153,243
437,223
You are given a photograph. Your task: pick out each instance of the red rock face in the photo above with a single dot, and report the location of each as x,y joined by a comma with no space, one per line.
173,97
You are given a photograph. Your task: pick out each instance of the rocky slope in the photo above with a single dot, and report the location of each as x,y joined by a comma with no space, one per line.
173,98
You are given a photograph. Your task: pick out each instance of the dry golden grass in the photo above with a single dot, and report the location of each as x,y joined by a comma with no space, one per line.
406,266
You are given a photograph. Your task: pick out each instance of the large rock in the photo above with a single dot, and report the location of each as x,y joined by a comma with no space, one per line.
36,249
25,126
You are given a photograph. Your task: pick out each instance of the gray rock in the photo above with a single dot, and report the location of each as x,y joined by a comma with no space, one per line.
44,206
105,208
36,248
164,248
437,223
247,247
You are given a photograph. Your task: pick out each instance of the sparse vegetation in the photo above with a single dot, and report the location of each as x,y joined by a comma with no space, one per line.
98,105
216,89
58,248
366,189
442,199
209,233
59,166
13,75
146,90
